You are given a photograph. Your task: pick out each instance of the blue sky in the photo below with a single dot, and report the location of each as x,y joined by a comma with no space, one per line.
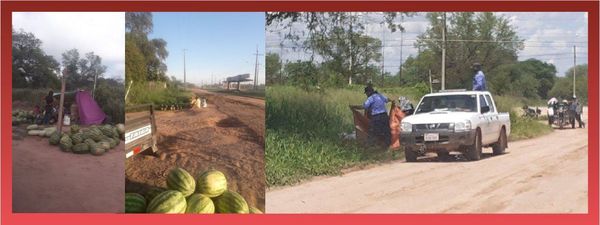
548,36
218,44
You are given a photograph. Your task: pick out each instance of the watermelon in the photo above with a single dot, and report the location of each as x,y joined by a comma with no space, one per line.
211,183
153,192
89,141
121,128
32,127
77,138
65,143
74,128
169,201
254,210
199,204
49,131
54,138
104,144
106,130
180,180
35,132
231,202
135,203
97,149
81,148
95,134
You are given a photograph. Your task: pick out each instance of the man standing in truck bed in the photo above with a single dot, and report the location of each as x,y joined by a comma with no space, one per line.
479,78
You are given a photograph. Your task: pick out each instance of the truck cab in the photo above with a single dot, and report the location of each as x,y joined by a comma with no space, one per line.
455,121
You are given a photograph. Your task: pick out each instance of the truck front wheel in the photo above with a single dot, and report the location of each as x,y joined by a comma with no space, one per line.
410,155
474,151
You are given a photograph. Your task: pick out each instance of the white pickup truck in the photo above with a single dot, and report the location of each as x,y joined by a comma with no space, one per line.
455,121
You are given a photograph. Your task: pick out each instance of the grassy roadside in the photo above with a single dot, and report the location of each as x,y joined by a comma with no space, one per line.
303,131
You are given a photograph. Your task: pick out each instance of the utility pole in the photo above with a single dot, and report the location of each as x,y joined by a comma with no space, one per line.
383,59
256,68
184,83
59,123
401,47
574,67
444,52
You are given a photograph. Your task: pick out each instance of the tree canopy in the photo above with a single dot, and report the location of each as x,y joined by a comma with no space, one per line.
145,58
31,66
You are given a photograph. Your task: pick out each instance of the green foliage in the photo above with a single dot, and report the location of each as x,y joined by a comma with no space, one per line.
525,128
31,66
563,87
460,55
146,57
110,96
142,93
273,69
82,72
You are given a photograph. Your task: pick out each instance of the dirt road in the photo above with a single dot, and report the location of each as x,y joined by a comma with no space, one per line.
45,179
228,135
542,175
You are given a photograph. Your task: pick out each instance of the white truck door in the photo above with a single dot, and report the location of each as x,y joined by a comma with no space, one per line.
484,122
494,119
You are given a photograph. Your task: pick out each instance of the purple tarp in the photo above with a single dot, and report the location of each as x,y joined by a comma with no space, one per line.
89,111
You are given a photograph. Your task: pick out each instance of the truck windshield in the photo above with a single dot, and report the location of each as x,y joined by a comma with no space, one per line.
453,103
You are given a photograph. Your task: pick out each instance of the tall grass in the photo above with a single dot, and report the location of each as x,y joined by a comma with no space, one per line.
143,94
303,134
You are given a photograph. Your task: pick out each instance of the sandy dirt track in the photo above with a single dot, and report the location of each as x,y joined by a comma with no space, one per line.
542,175
45,179
228,135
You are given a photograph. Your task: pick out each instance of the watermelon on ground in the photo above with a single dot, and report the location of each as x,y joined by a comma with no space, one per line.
180,180
169,201
231,202
135,203
200,204
211,183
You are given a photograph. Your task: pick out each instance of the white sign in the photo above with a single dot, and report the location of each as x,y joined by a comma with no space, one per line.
137,133
432,137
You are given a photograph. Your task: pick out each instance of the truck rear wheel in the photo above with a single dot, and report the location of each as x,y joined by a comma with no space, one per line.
410,155
501,144
474,151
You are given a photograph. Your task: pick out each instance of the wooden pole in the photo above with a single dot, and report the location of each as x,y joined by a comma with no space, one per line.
61,103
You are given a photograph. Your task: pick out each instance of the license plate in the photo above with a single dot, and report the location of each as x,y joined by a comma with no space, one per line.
432,137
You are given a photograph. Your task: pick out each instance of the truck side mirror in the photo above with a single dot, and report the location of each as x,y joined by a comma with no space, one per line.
485,109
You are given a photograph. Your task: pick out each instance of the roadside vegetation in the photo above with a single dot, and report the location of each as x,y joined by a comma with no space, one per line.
35,73
145,66
307,103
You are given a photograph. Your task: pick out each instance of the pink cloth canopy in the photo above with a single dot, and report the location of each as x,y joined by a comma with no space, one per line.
89,111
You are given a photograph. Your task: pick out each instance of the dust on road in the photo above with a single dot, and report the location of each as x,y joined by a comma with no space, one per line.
228,136
542,175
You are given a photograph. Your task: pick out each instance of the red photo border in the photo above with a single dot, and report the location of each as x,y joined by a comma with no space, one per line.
7,217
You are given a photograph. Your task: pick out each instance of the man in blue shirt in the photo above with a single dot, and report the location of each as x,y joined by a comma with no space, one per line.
479,78
379,121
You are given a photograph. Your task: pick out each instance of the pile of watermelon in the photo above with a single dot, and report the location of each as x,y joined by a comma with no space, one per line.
205,194
96,139
22,116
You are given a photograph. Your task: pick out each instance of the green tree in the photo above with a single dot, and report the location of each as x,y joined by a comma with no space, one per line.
563,87
336,38
147,62
485,38
273,68
301,73
82,72
31,67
